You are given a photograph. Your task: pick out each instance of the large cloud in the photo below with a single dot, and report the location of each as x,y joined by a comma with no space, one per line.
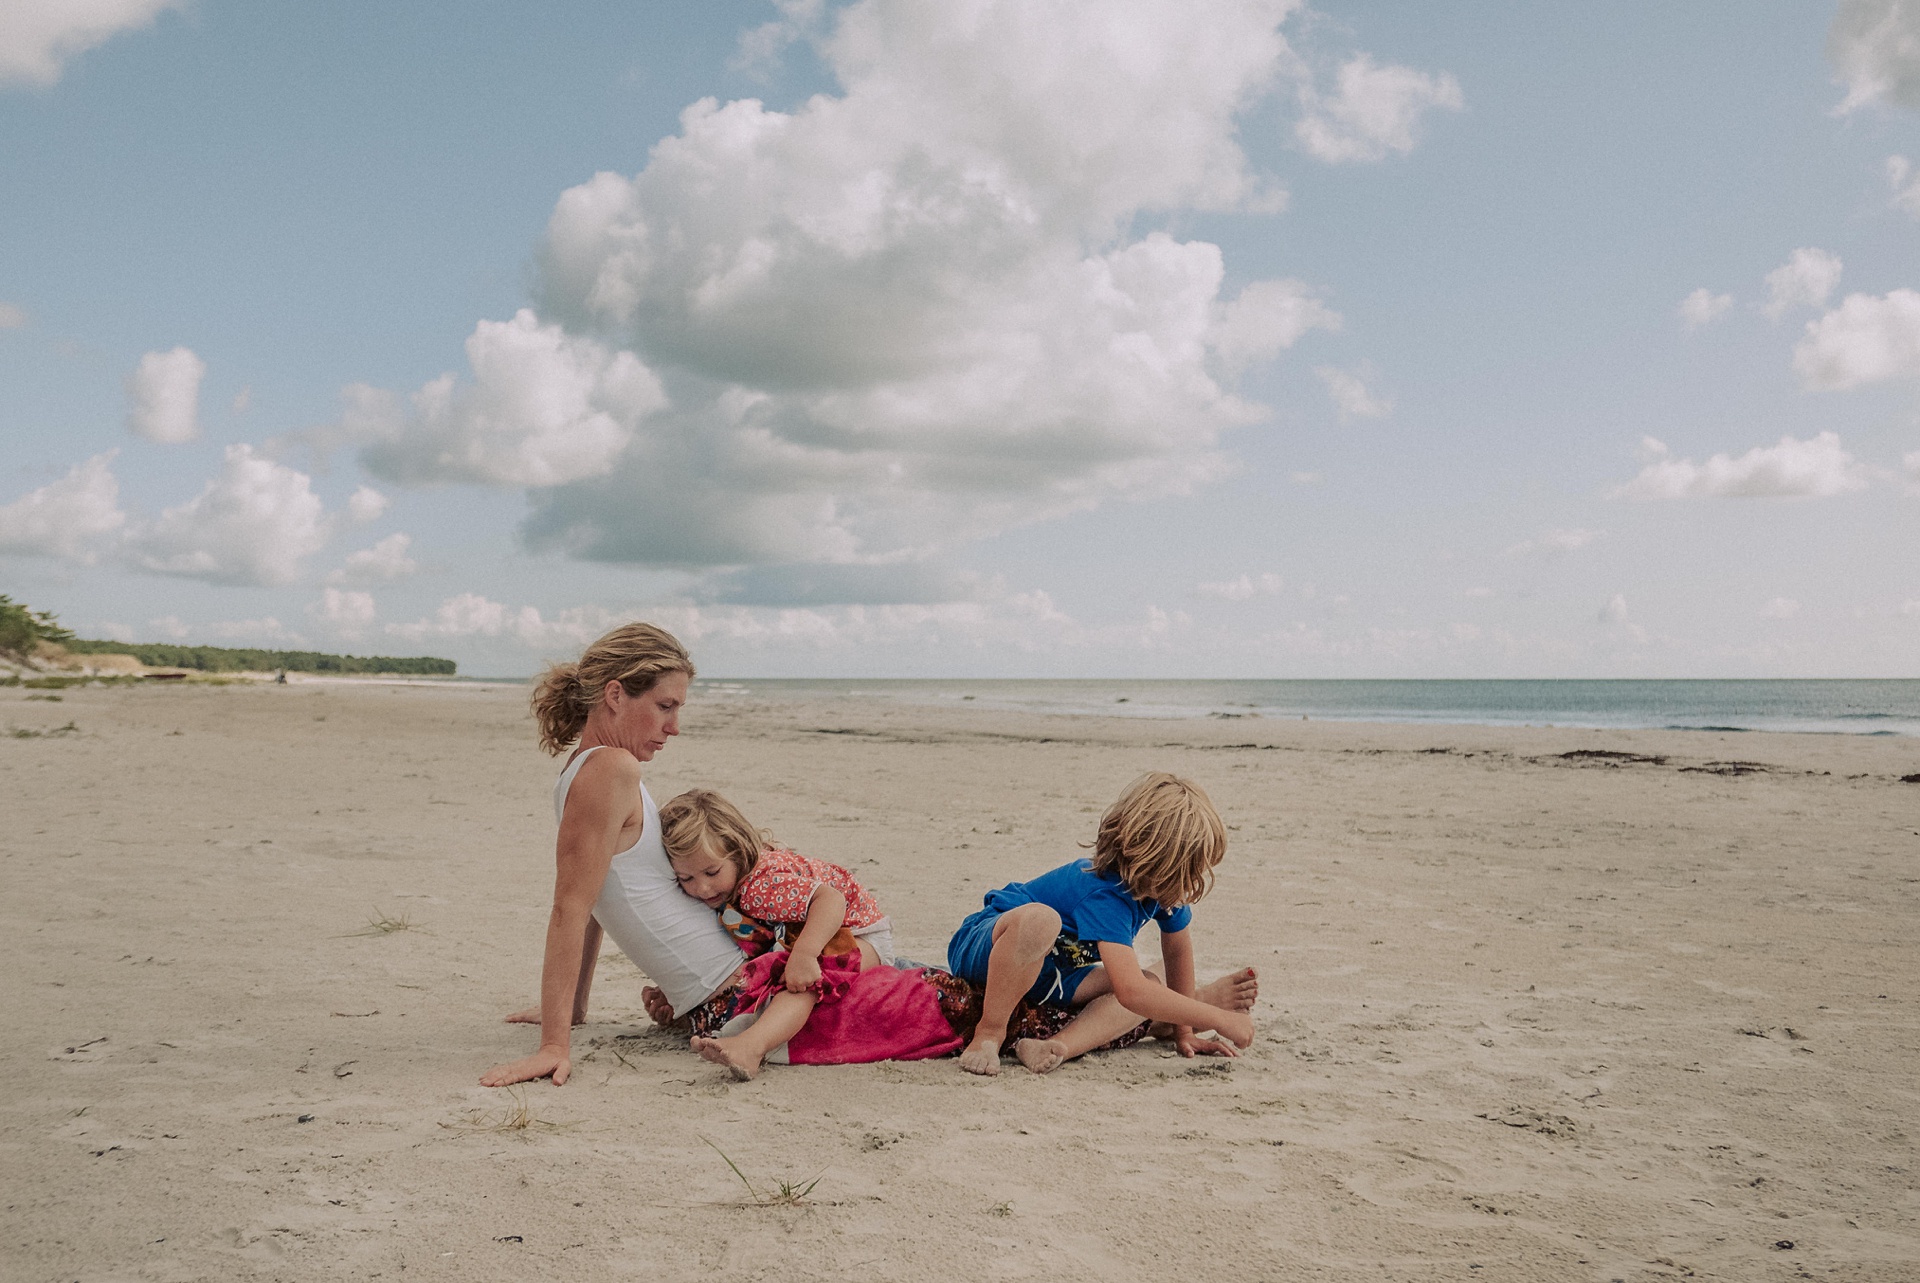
252,524
38,36
1875,46
902,316
1866,339
73,518
1793,469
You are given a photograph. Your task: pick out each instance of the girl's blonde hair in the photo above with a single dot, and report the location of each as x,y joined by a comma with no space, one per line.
635,655
1162,839
701,822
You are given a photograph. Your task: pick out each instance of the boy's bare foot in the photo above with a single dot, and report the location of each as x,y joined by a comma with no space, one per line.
725,1052
1235,991
982,1056
1040,1057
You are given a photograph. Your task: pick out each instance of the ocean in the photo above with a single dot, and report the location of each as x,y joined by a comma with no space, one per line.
1840,706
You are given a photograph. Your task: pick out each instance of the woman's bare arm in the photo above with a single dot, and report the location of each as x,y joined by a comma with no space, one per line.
599,804
589,959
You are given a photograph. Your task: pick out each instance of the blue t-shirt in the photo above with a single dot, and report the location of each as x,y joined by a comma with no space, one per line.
1092,906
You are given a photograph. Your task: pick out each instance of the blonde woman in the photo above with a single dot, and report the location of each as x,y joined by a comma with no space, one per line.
616,706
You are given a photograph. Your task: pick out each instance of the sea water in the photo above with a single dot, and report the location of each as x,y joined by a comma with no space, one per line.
1861,707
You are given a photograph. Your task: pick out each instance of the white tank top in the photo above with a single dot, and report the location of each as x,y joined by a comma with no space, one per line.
672,937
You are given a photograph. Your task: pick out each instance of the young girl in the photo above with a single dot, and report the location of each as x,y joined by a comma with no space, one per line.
1066,937
769,897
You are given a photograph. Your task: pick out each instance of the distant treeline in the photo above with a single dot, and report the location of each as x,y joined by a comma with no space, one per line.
224,659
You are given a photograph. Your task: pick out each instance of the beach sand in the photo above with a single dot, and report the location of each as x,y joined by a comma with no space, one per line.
1524,1015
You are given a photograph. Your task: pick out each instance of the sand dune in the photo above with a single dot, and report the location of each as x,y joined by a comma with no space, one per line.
1528,1012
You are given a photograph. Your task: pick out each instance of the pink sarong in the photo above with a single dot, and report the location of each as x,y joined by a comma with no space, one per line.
879,1013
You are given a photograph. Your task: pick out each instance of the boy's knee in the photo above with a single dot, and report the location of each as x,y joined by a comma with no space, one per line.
1029,927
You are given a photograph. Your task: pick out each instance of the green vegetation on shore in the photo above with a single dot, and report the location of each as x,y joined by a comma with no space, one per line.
22,629
224,659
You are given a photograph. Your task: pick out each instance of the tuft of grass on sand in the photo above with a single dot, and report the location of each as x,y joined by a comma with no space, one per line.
28,733
789,1194
516,1119
381,924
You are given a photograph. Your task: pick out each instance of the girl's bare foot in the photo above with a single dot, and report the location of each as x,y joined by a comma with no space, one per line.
1040,1057
743,1065
982,1056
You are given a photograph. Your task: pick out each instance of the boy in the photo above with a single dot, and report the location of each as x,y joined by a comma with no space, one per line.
1066,937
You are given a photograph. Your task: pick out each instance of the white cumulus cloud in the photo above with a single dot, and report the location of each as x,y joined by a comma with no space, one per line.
470,615
1875,46
1794,469
1905,185
544,408
74,518
1555,543
1373,112
1867,339
1806,279
37,37
383,563
912,313
1265,319
348,614
1351,397
367,504
1780,608
1243,588
1703,307
163,396
253,523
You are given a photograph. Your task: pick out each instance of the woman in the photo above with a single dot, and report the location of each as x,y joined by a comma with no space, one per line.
622,702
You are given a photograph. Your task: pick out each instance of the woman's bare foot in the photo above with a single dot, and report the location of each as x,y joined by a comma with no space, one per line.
982,1056
1040,1057
726,1052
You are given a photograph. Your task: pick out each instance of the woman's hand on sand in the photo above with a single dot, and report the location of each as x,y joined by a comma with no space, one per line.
659,1010
531,1016
548,1062
1190,1044
802,973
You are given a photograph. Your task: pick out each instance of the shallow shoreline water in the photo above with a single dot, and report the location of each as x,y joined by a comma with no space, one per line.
1889,706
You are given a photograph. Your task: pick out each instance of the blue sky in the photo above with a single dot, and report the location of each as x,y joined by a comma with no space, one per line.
972,339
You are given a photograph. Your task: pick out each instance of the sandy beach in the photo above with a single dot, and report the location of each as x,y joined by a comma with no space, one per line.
1536,1004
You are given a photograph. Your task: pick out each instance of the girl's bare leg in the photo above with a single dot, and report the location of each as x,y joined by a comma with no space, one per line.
743,1053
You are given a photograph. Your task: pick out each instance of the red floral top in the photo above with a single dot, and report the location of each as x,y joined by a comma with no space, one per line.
783,882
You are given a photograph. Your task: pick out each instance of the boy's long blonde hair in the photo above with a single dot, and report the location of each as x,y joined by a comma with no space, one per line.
1162,839
701,822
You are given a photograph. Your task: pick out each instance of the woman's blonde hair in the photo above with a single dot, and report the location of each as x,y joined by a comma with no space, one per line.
635,655
701,822
1162,839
